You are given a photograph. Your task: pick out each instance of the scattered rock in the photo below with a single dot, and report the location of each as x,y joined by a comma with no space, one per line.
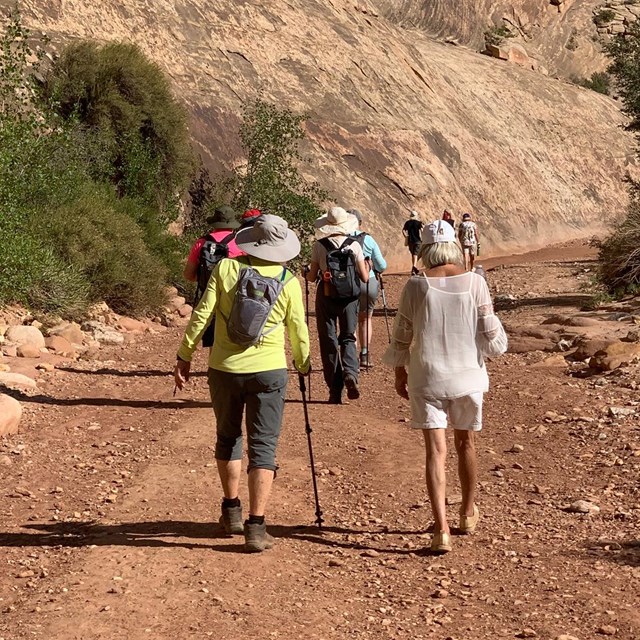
10,415
5,461
565,636
60,345
131,324
607,630
583,506
553,361
516,448
336,563
102,333
523,344
25,335
454,498
27,351
527,633
70,331
615,355
175,303
45,366
618,412
440,594
10,350
185,311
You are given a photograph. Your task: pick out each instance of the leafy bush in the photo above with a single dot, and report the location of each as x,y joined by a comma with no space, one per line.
496,35
620,251
114,89
603,17
600,82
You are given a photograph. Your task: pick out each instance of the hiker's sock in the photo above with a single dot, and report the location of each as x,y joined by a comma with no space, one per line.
256,519
227,503
364,352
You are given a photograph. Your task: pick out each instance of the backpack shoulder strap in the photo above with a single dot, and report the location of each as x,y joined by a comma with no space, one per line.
227,239
350,240
327,244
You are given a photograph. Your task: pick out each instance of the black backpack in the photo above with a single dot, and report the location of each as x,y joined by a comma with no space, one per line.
211,252
341,264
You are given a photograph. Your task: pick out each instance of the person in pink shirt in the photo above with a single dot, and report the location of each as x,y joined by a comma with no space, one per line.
223,223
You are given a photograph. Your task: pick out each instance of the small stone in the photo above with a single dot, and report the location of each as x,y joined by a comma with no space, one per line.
583,506
527,633
454,498
440,594
26,574
336,563
45,366
370,553
618,412
10,414
28,351
516,448
565,636
607,630
5,461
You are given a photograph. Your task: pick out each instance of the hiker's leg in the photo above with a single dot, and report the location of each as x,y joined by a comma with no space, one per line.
436,450
326,317
472,257
348,321
467,469
368,308
228,405
465,416
265,394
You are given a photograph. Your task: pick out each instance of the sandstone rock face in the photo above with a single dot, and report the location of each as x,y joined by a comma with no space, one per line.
10,415
25,335
398,121
560,34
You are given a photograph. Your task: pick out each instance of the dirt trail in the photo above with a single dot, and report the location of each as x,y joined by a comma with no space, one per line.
110,497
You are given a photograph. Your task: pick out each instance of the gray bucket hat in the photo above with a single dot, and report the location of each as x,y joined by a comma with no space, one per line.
224,217
269,239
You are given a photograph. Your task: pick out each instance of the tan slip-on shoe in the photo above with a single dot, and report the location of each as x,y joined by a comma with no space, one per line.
441,542
468,524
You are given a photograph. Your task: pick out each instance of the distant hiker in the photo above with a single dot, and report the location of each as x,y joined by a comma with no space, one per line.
249,217
469,239
449,218
368,290
208,250
253,299
444,327
338,258
411,232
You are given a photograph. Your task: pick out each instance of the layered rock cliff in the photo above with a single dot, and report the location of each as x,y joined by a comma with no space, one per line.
398,120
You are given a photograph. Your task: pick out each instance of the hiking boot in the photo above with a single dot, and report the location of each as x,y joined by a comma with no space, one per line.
335,397
256,538
353,393
365,362
231,520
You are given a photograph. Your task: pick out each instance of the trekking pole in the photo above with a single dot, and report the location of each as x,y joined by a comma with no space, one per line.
384,305
307,426
366,328
306,297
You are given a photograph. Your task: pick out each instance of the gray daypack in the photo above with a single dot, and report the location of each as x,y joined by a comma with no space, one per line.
255,298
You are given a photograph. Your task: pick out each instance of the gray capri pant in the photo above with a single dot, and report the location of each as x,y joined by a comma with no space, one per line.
262,395
368,301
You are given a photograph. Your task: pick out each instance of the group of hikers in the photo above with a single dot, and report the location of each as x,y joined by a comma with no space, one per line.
467,236
247,296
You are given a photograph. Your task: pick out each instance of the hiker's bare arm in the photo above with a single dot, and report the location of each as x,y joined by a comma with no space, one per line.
401,382
190,271
363,270
312,274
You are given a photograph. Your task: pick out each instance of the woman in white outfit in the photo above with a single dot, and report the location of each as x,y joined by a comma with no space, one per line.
444,328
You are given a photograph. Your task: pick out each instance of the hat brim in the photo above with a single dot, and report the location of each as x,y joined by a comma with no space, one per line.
325,228
247,241
231,224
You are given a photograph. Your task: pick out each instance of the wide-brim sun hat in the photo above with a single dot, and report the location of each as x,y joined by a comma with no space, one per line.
336,221
438,231
224,217
413,214
269,239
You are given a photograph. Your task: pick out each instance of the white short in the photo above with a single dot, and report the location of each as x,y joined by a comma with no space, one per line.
463,413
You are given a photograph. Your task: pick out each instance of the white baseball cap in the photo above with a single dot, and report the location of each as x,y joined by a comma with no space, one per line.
438,231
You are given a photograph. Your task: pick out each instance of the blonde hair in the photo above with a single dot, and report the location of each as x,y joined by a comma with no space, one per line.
441,253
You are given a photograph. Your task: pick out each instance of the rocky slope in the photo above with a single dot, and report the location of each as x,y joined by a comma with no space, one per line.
559,34
398,121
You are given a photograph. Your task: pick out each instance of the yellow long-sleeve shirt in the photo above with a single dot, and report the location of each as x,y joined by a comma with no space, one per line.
269,353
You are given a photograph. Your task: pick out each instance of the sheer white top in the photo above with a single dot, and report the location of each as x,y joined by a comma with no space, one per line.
443,330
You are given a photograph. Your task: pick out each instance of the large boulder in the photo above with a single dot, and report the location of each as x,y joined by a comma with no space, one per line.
525,344
615,355
23,335
130,324
60,346
69,331
588,347
27,351
10,415
16,381
102,333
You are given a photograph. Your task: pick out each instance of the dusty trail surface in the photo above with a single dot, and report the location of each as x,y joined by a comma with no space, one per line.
110,499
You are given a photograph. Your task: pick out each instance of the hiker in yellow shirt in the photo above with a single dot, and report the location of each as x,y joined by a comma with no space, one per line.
250,377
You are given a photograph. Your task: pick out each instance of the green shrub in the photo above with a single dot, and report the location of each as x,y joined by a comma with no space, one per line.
600,82
108,248
114,89
603,17
495,35
620,251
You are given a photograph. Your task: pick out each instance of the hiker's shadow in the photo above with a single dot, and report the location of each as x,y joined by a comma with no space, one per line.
176,533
